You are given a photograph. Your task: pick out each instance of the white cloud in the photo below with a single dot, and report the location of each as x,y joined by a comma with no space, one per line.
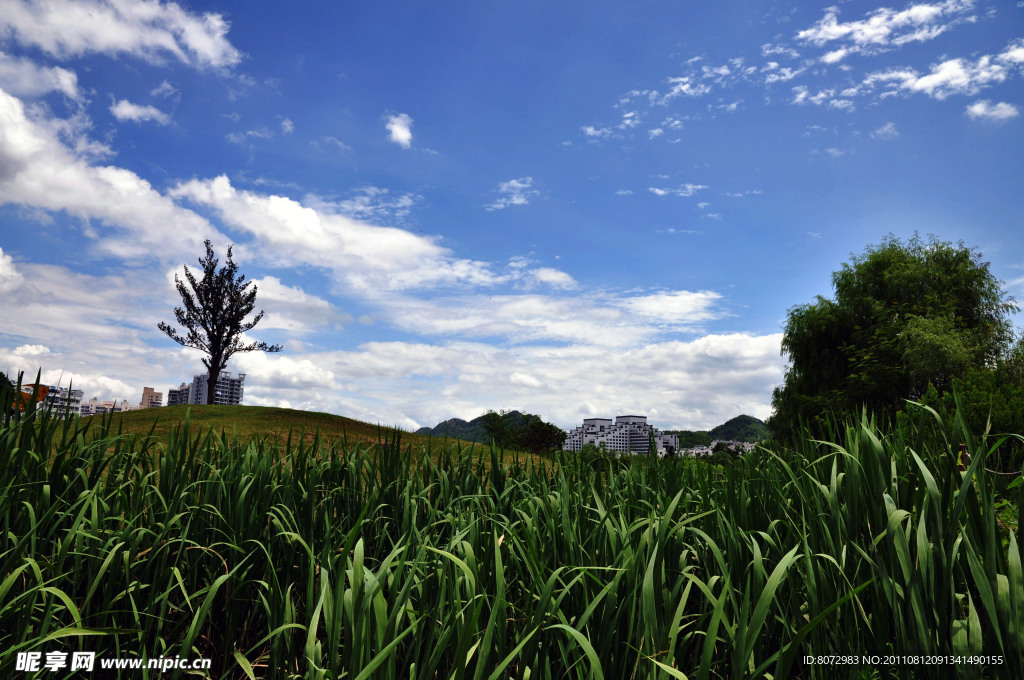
694,384
677,307
10,279
37,170
400,129
243,137
953,76
591,131
554,278
885,28
164,89
287,126
292,309
363,256
886,132
333,142
685,86
683,190
369,203
24,78
513,192
986,110
125,110
769,49
148,29
630,120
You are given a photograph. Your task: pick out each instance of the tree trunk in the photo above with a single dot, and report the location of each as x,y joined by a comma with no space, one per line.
211,386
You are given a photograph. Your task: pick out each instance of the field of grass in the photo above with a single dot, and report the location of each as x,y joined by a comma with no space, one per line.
247,422
334,559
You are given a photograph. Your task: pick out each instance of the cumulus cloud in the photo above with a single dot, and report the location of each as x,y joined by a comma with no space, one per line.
363,256
24,78
513,192
125,110
10,279
884,28
676,307
986,110
952,76
287,126
400,129
689,384
292,309
38,170
554,278
148,29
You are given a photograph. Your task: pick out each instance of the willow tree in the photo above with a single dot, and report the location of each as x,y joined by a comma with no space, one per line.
905,317
213,315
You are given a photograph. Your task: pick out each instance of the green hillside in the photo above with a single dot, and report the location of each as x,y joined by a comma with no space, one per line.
741,429
470,431
249,421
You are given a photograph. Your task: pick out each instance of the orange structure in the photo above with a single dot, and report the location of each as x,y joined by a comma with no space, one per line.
26,395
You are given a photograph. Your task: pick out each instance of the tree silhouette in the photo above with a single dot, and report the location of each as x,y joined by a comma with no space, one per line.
214,315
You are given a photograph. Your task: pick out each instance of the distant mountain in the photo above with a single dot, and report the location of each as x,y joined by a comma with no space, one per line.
741,429
471,431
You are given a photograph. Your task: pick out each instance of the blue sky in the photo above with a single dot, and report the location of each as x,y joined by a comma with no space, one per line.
574,209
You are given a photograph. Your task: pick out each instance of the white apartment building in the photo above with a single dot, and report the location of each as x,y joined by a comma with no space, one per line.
179,395
229,390
628,434
96,407
61,400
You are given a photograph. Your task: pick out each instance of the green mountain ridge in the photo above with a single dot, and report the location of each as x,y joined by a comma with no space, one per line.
742,428
470,431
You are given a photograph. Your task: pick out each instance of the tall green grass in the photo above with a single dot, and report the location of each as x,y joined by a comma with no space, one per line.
301,560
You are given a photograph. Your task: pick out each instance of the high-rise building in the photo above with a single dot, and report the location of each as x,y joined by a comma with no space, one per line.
179,395
151,398
61,400
628,434
229,390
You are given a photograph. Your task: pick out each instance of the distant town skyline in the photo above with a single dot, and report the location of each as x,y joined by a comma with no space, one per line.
571,210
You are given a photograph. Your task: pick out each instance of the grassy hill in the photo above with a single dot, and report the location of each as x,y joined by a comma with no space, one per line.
249,421
742,429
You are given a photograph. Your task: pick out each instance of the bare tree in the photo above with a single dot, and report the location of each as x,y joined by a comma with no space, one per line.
214,315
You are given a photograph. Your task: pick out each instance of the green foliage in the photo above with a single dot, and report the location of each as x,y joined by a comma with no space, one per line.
305,560
741,429
539,437
214,314
690,438
990,399
508,430
905,316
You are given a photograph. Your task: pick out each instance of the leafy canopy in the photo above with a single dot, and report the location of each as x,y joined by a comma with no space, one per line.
511,429
906,315
214,314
